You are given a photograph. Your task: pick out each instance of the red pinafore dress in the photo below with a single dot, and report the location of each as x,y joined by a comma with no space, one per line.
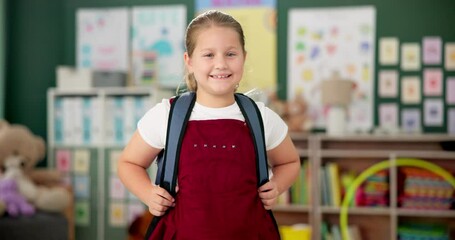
218,197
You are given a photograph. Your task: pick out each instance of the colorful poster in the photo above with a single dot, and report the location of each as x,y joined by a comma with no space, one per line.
117,214
388,50
450,56
451,119
258,20
117,189
114,156
432,78
82,213
157,45
450,90
81,161
63,160
410,57
388,83
326,40
434,112
388,115
102,39
410,120
432,50
410,90
82,186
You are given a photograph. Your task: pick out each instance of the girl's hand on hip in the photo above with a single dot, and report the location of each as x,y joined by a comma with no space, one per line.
268,194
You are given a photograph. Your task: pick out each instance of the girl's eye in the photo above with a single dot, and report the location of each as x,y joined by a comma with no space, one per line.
231,54
208,55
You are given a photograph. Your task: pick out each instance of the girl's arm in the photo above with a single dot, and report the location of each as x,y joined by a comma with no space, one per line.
134,160
285,163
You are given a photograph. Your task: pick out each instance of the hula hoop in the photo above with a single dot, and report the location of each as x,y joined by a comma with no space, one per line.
381,166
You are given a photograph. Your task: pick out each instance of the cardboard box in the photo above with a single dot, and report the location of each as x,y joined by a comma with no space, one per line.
70,78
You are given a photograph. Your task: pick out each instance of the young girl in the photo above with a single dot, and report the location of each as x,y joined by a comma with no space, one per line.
217,194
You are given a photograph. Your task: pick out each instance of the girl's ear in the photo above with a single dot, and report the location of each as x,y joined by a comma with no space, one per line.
187,59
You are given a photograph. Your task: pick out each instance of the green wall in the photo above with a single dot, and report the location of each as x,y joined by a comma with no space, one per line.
34,48
41,35
2,57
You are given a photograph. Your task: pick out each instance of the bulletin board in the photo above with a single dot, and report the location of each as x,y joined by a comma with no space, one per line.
410,22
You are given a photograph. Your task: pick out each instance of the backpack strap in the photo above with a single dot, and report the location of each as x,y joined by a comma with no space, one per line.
179,115
253,118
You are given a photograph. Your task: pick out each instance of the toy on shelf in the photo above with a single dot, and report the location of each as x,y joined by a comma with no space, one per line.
20,152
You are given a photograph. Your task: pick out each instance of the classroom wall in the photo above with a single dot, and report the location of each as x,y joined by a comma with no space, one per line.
34,47
41,35
2,57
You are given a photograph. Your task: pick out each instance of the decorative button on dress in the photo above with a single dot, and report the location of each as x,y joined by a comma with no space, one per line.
218,197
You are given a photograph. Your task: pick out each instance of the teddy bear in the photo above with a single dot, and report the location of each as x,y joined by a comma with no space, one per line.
20,151
293,112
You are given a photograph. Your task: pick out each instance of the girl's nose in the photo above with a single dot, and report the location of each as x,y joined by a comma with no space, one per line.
220,63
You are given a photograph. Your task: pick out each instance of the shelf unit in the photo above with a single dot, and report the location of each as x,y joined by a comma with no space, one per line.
358,153
103,207
349,152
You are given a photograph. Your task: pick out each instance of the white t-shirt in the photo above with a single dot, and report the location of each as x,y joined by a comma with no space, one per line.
153,125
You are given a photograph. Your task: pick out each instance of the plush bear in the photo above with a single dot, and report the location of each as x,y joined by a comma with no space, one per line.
15,204
20,152
293,112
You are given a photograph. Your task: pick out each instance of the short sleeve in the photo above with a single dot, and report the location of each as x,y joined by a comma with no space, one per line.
274,127
152,126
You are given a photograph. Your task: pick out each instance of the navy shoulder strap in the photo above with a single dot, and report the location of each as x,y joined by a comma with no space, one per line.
254,120
179,114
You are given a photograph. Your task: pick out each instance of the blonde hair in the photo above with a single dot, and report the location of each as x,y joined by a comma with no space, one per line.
206,20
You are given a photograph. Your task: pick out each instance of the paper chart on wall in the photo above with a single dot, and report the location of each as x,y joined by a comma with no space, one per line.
410,90
102,39
324,40
258,20
158,45
410,120
450,90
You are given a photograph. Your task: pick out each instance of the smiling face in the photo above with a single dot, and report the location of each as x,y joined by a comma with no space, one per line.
217,62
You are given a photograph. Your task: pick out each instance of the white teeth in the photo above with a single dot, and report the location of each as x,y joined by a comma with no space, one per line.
220,76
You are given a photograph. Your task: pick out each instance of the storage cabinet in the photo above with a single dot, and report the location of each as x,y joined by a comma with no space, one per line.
355,154
87,130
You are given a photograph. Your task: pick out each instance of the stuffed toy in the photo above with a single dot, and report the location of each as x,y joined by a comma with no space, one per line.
20,152
293,112
14,203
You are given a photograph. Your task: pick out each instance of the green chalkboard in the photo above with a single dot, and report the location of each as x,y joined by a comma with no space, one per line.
408,20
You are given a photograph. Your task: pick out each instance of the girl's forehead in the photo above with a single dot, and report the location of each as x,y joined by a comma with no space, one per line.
215,32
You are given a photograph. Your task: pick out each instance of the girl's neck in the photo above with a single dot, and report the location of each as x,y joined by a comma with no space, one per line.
215,101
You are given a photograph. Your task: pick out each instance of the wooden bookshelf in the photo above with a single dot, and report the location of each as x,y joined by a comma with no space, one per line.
357,153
